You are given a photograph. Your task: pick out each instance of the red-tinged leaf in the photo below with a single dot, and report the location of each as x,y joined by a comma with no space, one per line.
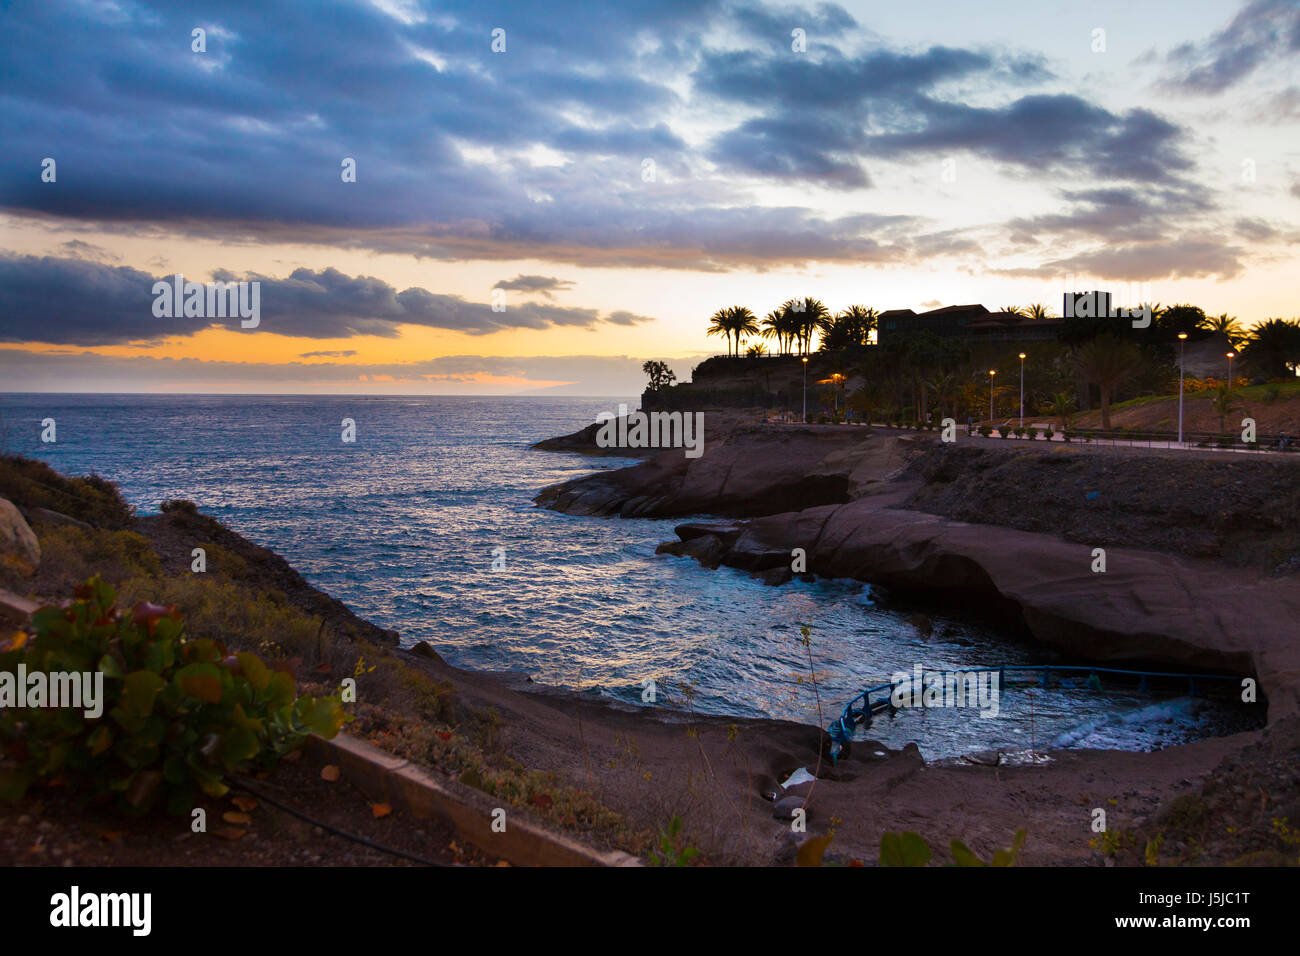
229,833
201,680
443,734
16,642
148,614
233,816
380,810
542,800
329,772
244,803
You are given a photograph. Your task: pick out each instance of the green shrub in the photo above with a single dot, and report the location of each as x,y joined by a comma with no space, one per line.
910,849
33,484
178,714
986,430
70,555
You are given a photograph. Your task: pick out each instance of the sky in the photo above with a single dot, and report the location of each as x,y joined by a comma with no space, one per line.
518,198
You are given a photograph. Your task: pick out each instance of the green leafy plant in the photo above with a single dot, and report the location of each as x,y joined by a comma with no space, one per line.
904,849
178,714
963,856
910,849
672,851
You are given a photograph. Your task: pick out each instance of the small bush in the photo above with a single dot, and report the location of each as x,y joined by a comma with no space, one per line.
33,484
986,430
178,714
70,555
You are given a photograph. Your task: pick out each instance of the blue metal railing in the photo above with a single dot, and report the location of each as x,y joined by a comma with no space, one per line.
842,729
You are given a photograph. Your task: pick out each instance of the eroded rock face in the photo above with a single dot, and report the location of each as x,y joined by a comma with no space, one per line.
750,470
19,548
1146,606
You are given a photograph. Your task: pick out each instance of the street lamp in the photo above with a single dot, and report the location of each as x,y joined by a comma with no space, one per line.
992,372
1182,339
1231,355
805,390
1022,389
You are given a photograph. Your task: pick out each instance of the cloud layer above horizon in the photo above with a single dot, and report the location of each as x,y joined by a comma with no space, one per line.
678,135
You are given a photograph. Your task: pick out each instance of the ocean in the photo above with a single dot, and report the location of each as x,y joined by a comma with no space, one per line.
406,523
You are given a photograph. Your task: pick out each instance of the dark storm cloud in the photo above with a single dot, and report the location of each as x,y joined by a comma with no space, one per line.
71,301
245,141
1262,32
1049,132
1121,214
1180,258
546,285
828,114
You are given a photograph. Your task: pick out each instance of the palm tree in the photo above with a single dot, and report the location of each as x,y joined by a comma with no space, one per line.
1157,309
1063,405
1107,362
1226,325
861,322
1038,311
812,314
720,324
1013,309
755,351
944,385
848,329
743,323
773,327
1273,347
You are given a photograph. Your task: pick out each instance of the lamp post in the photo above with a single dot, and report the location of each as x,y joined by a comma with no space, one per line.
1231,356
1182,339
1022,389
804,420
992,372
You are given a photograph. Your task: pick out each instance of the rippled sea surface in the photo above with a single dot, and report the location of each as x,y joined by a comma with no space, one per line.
401,525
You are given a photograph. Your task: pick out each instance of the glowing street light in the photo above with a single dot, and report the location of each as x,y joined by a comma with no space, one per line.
1022,389
1182,339
1231,356
992,372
